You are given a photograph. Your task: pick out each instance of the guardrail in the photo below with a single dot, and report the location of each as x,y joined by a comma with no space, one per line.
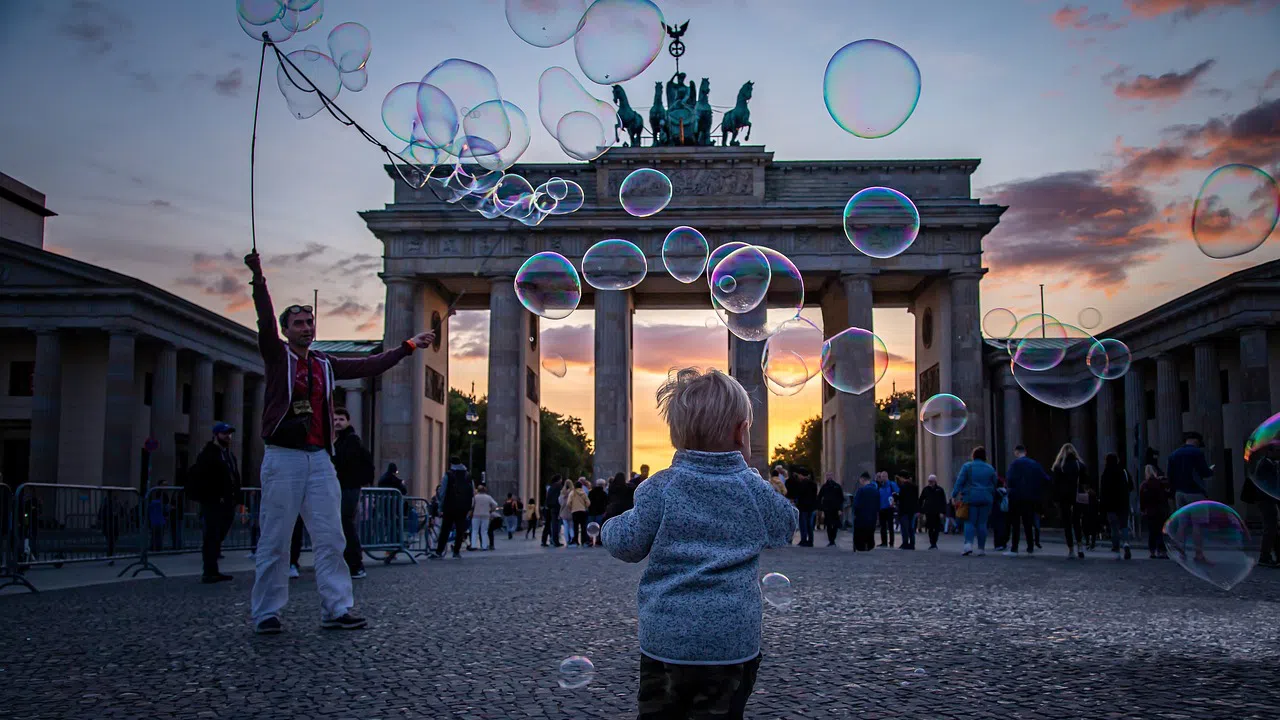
381,519
58,524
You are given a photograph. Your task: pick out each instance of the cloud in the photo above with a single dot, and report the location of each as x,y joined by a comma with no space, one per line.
161,204
373,322
228,84
1070,17
1169,86
348,308
94,26
1252,137
1074,225
311,250
1187,9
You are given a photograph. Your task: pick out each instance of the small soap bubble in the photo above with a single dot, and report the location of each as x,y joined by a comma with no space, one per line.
554,364
545,23
1235,211
881,222
593,530
741,280
576,672
618,39
548,286
1090,318
776,589
645,192
684,254
999,323
792,355
944,415
1109,359
614,265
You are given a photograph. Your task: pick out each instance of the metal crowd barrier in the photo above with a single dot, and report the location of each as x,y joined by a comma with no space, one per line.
172,524
56,524
420,528
8,558
382,518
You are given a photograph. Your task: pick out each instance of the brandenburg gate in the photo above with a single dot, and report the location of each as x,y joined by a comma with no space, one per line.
435,252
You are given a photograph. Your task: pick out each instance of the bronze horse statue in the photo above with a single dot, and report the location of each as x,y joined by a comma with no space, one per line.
628,119
702,136
737,118
658,116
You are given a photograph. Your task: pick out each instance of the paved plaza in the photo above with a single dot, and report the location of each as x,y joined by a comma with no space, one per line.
889,634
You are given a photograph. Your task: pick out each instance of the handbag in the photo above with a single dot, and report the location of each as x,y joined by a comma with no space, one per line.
1004,503
962,510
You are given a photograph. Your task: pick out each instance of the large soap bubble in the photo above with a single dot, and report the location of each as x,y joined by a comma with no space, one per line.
1236,210
881,222
1210,540
854,360
684,254
274,29
545,23
350,45
1109,359
1067,384
559,95
944,415
614,265
871,87
581,135
303,19
520,137
740,281
618,39
1044,347
645,192
792,355
356,80
719,254
548,286
259,12
301,95
468,86
1262,456
783,300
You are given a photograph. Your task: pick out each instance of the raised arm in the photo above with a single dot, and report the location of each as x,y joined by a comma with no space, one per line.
781,518
268,333
629,536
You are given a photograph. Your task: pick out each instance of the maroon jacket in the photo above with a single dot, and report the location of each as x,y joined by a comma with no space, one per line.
280,364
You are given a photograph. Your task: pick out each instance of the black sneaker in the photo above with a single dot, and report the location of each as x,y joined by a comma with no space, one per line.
1127,554
359,574
346,622
270,626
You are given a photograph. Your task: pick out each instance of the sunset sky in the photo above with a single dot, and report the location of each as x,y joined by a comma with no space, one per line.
1096,124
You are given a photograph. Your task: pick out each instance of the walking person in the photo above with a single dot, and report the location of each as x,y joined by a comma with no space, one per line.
482,507
933,502
908,508
1027,480
1153,503
212,481
566,515
1114,488
510,515
551,512
831,500
531,522
297,472
354,465
806,501
598,501
888,489
578,503
866,510
1070,491
975,486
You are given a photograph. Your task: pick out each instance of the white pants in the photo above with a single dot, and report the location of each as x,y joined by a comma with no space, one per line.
293,482
480,531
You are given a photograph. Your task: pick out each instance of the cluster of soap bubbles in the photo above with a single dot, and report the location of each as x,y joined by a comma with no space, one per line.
578,120
312,72
1235,210
614,40
1059,364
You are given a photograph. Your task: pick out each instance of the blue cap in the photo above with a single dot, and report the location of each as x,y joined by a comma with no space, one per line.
222,427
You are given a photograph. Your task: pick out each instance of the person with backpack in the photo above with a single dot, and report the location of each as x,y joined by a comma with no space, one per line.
457,493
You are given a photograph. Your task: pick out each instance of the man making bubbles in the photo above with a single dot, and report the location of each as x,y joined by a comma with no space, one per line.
298,475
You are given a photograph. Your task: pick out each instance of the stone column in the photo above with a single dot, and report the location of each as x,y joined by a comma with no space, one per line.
46,407
508,338
1168,405
355,409
966,364
1255,379
1105,421
201,428
117,424
1135,420
614,310
744,366
233,409
1077,432
1011,395
253,443
396,405
1206,408
164,416
856,414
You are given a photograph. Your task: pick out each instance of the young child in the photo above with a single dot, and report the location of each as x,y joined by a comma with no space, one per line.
702,523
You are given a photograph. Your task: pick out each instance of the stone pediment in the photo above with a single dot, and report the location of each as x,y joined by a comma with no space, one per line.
27,267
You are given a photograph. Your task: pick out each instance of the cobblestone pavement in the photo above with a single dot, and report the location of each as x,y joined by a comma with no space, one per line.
887,634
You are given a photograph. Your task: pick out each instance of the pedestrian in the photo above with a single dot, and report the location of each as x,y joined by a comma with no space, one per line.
566,514
551,512
702,523
455,500
1070,487
975,487
933,502
1153,503
866,510
831,500
510,514
531,522
806,501
578,504
888,489
354,465
621,497
908,508
1027,480
212,482
598,501
1188,470
482,507
1114,489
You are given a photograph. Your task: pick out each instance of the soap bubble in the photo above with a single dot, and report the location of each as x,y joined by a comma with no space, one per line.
301,95
593,530
301,20
274,29
573,199
783,300
559,94
299,4
545,23
468,86
1067,384
548,286
1209,540
1262,456
1044,347
684,254
259,12
614,265
944,415
400,114
350,45
871,87
999,323
793,354
854,360
881,222
1109,359
719,254
576,672
782,390
1090,318
776,589
645,192
1236,210
520,137
554,363
618,39
356,80
740,281
581,135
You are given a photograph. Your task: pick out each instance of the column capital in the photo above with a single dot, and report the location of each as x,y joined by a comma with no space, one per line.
391,279
967,274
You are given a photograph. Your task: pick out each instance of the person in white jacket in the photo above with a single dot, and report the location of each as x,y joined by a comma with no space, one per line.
482,507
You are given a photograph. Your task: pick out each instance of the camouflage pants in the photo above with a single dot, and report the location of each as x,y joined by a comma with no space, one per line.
672,692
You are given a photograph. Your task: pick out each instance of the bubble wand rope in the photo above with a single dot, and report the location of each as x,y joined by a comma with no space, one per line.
253,150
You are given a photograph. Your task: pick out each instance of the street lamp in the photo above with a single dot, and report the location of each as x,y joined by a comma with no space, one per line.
894,412
472,416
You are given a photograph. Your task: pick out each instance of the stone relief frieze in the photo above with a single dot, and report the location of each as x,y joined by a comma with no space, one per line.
699,182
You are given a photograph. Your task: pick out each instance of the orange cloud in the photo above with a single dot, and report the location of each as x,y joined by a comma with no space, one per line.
1191,8
1070,17
1252,137
1169,86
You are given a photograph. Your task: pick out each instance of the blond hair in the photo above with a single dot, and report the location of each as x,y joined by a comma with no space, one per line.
702,409
1067,451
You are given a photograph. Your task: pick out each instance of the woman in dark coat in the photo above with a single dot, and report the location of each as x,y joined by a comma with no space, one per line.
621,497
1114,490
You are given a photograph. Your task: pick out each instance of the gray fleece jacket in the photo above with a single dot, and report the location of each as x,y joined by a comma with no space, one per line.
702,523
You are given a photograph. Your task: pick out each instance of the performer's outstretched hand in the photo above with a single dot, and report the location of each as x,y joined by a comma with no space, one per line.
254,261
424,339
